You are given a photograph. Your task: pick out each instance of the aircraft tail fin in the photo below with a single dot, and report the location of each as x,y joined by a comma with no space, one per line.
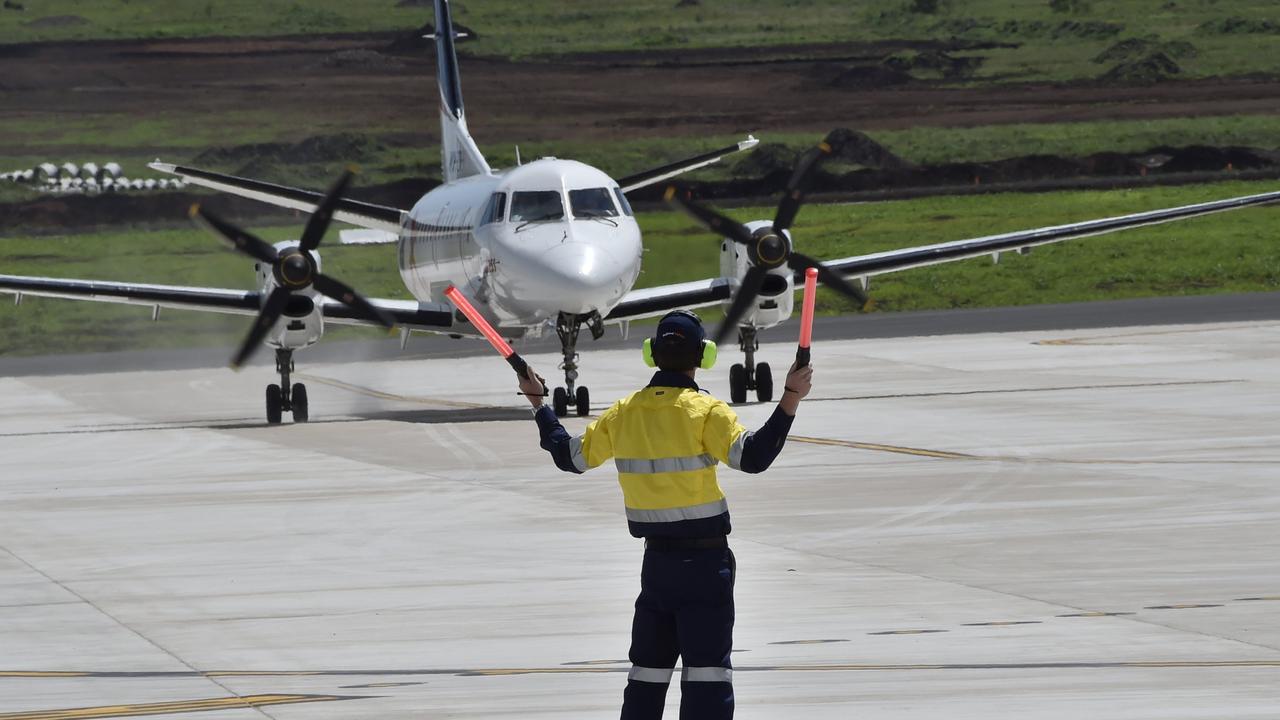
459,155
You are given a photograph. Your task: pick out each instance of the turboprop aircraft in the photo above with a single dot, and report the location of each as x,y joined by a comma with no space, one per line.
550,243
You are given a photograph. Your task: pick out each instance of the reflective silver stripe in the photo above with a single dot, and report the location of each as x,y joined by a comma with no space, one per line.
664,465
651,675
735,450
692,512
706,674
575,452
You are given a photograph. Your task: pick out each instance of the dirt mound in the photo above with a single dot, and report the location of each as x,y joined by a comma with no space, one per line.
1150,69
934,62
1064,30
1201,158
865,77
858,148
252,159
1134,49
1237,25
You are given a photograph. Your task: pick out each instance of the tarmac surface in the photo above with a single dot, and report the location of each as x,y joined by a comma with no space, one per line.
1036,523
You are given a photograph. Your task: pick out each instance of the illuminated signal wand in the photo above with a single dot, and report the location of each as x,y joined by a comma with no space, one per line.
806,316
504,349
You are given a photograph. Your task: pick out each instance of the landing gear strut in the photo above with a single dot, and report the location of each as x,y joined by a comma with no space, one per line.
286,398
567,327
751,376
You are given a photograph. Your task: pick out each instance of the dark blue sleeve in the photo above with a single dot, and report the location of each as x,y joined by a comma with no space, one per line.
760,450
555,439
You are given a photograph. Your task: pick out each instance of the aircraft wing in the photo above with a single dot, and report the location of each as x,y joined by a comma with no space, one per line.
407,313
654,301
658,174
355,212
907,258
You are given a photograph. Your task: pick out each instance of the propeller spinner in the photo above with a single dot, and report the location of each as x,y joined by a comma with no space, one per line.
769,247
294,269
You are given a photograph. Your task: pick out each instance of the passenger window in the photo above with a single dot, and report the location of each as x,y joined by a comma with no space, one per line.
622,200
496,209
592,203
536,206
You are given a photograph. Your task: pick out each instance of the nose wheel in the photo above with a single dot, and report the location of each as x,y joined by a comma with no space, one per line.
751,375
567,327
286,397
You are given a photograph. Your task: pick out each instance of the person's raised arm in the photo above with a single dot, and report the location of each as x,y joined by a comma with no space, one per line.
754,452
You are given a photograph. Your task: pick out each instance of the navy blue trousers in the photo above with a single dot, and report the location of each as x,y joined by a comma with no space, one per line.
685,610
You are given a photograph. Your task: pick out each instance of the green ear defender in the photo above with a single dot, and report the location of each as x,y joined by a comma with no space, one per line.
709,353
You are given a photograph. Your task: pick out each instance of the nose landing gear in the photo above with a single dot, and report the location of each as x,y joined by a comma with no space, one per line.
750,376
567,327
284,397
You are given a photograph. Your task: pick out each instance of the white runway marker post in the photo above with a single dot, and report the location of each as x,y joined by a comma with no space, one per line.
502,346
806,316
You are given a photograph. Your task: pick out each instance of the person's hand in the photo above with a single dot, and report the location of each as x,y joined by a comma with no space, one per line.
532,385
799,383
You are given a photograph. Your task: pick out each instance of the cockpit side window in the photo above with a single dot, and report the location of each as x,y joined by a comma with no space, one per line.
622,201
496,209
592,203
536,206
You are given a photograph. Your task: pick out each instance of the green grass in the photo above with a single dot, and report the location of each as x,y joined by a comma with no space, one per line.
1233,252
1047,49
920,145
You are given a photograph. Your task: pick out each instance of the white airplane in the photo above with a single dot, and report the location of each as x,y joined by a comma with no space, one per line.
548,243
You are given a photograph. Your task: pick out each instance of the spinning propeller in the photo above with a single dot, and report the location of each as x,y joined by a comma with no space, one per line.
769,247
294,268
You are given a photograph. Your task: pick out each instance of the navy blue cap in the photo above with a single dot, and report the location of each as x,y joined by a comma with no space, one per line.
680,326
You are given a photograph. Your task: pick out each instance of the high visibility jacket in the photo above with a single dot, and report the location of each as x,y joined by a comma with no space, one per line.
665,443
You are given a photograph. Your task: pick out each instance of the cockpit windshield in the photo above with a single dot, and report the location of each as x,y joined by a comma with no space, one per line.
536,206
595,202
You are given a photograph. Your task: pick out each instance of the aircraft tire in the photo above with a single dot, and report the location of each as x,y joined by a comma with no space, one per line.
300,410
583,402
275,404
737,384
560,402
764,382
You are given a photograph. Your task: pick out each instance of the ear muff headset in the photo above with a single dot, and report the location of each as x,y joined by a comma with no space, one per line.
708,361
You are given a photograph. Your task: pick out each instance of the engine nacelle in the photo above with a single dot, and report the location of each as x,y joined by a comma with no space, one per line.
777,296
302,323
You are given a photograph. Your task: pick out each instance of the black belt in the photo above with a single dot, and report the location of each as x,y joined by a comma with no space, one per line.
678,543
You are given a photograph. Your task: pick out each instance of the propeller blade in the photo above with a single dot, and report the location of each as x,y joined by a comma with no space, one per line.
789,206
270,313
343,293
830,278
751,284
245,242
323,215
717,223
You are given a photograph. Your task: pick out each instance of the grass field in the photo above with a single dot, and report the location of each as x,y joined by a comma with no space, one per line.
1228,36
394,161
1234,252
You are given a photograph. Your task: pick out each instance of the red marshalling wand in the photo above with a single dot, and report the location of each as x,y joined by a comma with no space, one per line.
504,349
806,316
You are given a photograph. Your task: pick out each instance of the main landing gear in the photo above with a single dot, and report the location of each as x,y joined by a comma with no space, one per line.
567,327
284,397
751,376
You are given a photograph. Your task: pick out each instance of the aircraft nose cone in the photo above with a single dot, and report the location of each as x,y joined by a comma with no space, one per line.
581,277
